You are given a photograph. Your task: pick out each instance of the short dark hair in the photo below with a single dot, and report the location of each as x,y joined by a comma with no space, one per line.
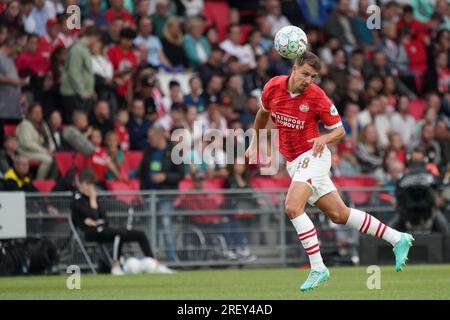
87,175
309,58
127,33
92,31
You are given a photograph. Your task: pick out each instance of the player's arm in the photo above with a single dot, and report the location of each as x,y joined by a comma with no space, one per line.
332,121
334,136
261,119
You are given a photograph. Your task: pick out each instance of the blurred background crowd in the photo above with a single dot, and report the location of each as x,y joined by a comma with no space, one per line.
134,71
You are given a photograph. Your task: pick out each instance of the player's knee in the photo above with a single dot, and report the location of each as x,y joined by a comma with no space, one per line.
338,215
293,209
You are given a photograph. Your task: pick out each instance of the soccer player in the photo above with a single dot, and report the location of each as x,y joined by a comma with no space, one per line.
296,104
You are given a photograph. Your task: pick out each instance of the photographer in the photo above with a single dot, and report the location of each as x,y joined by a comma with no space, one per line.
418,197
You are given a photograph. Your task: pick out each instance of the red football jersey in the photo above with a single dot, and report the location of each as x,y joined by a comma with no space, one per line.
121,61
297,115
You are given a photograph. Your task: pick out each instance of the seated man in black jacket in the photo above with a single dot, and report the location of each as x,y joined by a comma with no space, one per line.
17,178
91,218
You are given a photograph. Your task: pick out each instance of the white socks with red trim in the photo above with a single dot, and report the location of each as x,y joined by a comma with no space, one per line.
308,237
368,224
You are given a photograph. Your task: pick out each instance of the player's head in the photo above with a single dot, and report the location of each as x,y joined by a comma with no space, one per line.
304,71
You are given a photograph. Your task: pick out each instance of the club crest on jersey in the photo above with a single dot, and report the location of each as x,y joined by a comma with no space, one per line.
304,108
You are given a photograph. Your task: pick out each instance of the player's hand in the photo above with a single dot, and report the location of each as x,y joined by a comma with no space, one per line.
251,154
318,145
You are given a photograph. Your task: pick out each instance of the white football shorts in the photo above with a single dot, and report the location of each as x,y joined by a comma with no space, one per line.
314,171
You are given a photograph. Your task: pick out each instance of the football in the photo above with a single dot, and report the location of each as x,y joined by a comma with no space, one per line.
149,265
132,266
290,42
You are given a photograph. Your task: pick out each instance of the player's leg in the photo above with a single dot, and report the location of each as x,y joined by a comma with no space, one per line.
296,199
333,206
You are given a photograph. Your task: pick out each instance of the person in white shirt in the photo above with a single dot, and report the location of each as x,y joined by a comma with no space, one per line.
375,114
403,122
232,47
275,17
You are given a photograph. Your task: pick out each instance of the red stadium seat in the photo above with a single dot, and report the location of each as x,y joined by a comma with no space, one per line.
132,160
10,129
44,185
64,161
417,108
209,184
216,14
358,197
268,182
129,185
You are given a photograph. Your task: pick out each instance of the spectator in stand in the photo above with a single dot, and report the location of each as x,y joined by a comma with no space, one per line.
77,80
175,95
161,16
250,110
8,153
124,61
32,66
211,36
50,40
10,83
408,23
442,133
54,124
12,18
158,171
437,78
104,72
213,119
350,122
195,45
375,113
112,34
429,144
430,118
118,10
102,164
233,47
340,24
213,66
172,44
95,14
138,126
397,145
368,151
214,87
234,93
195,94
116,154
18,177
256,78
353,94
364,35
441,42
38,18
275,17
326,51
174,119
156,56
101,117
35,141
338,71
193,7
344,161
403,122
120,128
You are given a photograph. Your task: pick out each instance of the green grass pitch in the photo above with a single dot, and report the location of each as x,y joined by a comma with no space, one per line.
415,282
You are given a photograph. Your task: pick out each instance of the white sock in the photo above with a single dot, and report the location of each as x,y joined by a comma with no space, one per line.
308,237
368,224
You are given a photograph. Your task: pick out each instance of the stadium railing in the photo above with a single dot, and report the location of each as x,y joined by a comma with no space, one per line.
207,234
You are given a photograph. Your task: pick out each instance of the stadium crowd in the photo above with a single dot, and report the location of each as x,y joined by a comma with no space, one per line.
134,71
